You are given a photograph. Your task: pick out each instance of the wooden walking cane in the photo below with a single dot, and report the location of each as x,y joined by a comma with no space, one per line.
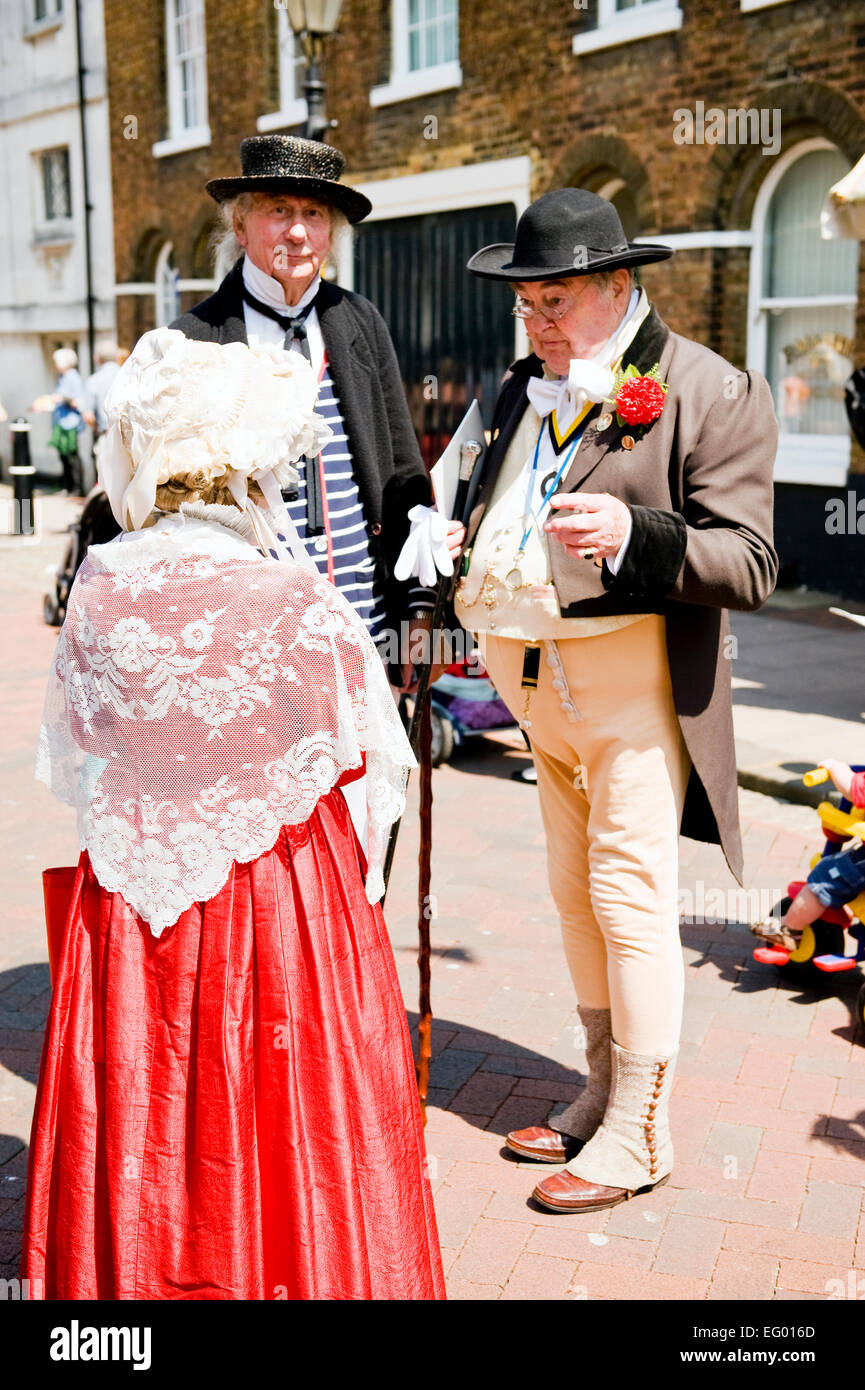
420,738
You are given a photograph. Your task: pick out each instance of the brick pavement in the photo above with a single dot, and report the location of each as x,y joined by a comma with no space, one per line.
766,1201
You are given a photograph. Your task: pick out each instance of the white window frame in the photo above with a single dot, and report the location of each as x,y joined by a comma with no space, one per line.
795,460
34,28
45,219
292,108
53,231
404,84
182,137
643,21
160,284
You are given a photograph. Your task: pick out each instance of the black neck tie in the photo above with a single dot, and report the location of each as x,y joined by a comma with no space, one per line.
294,328
292,325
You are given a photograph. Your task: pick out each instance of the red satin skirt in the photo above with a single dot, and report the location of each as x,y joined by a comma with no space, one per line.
230,1112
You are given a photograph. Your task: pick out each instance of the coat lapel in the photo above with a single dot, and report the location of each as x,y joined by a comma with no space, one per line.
644,352
232,327
509,412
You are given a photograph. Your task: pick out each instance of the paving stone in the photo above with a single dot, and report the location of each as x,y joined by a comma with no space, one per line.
779,1175
539,1277
720,1207
809,1092
618,1282
460,1291
812,1278
483,1093
491,1251
738,1142
689,1246
830,1209
744,1277
789,1245
457,1210
453,1067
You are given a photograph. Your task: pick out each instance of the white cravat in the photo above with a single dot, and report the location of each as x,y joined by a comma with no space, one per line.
589,378
261,330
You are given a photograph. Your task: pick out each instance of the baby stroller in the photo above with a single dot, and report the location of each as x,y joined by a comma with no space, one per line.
464,704
95,525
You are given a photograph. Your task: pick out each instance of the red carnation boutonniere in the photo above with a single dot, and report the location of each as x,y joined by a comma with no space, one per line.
638,397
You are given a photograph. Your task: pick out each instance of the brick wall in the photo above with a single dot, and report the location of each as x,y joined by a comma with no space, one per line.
523,93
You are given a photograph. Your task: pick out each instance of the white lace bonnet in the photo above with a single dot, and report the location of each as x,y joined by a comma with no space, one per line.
206,413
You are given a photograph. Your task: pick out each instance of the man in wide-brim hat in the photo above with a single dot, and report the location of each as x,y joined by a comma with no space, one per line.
625,503
281,217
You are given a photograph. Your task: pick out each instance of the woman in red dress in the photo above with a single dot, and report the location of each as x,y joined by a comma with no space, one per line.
226,1105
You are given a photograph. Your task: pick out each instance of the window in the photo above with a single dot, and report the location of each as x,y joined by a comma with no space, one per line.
290,101
432,33
803,299
624,21
424,50
187,77
46,9
56,191
167,306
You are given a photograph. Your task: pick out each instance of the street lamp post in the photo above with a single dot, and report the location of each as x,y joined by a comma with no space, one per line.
312,21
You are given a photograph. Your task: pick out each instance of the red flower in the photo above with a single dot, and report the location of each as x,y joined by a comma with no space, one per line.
640,400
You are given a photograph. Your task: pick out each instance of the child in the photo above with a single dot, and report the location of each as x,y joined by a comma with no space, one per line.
836,879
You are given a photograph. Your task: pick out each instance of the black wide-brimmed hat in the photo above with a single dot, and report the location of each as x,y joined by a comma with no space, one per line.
288,164
568,232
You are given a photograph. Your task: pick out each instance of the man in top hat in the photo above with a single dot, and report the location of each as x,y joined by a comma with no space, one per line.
624,504
280,218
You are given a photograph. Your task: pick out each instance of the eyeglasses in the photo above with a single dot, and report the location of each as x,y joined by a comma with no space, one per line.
523,310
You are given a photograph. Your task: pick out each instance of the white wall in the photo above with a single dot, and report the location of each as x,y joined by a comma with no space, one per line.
43,286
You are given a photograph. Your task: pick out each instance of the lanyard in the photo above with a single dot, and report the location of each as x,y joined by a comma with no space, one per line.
553,485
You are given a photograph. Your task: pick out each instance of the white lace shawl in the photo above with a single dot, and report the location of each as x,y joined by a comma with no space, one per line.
203,696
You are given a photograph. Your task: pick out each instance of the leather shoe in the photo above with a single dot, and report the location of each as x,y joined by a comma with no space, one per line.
544,1145
565,1192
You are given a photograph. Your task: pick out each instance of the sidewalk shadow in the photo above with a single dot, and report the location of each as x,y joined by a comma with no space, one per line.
480,1056
733,961
487,757
25,995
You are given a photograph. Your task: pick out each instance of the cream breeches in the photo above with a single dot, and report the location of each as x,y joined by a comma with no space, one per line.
611,786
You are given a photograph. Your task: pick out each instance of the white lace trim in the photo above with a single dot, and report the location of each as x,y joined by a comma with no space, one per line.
202,697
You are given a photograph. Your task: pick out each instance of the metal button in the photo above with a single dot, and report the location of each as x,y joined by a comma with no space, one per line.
627,441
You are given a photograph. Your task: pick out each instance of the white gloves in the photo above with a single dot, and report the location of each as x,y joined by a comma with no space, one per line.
425,554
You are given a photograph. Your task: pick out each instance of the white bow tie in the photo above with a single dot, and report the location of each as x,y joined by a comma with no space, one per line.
586,381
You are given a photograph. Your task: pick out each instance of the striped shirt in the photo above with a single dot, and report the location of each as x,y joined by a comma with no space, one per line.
353,563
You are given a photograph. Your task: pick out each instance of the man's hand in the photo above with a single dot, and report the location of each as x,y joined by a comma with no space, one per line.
593,522
455,538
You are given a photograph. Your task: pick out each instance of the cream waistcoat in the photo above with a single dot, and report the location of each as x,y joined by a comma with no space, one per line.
484,602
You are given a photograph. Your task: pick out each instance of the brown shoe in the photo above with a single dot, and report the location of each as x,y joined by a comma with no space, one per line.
565,1192
544,1145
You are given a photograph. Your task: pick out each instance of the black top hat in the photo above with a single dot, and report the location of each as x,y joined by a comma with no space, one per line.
568,232
287,164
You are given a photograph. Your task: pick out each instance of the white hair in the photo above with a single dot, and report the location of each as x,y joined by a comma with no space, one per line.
227,250
65,359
